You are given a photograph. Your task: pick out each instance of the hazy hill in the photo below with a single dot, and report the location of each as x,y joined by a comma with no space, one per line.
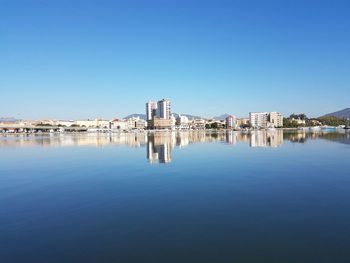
345,113
142,116
221,117
7,119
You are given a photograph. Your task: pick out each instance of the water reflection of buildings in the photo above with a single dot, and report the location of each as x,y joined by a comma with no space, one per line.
266,138
232,137
160,145
302,136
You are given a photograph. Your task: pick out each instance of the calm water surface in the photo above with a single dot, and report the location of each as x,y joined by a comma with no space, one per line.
175,197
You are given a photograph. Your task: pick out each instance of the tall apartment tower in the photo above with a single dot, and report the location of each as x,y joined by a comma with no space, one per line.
151,108
276,119
258,119
266,119
230,122
163,109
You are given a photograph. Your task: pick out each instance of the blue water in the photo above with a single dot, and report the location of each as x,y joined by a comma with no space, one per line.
175,197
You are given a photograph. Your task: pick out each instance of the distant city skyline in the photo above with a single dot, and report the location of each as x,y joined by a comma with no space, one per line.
93,59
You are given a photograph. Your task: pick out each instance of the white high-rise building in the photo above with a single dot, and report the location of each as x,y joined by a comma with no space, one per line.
266,119
230,122
258,119
276,119
151,108
163,109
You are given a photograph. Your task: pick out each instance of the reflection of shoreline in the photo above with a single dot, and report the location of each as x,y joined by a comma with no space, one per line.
160,145
341,136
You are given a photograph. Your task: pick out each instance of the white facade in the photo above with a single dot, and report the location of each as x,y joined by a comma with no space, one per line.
182,122
231,122
276,119
299,121
119,125
163,109
97,123
136,123
151,107
258,119
266,119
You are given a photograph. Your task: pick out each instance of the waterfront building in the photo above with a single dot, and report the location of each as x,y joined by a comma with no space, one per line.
276,119
97,123
151,108
258,119
136,123
119,124
159,115
182,122
197,124
163,109
262,120
298,121
159,124
242,122
231,122
218,123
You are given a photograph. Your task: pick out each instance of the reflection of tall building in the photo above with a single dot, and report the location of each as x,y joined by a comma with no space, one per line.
182,138
231,137
266,139
258,139
159,148
275,138
152,155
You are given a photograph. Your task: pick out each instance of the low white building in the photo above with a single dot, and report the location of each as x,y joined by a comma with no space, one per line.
197,124
97,123
119,125
182,122
298,121
136,123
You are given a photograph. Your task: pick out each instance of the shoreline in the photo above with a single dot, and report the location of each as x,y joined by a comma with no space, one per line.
305,129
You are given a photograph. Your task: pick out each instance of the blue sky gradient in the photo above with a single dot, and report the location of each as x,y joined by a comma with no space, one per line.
85,59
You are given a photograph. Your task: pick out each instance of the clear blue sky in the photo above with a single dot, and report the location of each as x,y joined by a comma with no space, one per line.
70,59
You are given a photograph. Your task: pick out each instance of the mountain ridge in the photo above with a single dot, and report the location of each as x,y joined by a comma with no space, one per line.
8,119
221,117
342,114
